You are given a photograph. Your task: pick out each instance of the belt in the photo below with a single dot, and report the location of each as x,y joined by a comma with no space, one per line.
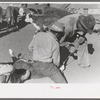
41,61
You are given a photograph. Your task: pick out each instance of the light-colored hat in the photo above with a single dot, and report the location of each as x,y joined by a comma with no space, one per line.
58,27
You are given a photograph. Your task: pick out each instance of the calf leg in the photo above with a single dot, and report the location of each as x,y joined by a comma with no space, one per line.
14,58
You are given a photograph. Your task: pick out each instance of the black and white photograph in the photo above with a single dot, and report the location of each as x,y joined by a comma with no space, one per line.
52,44
49,43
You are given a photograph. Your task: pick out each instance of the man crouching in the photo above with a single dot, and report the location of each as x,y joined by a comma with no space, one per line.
46,53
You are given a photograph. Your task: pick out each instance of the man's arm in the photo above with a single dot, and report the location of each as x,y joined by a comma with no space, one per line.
56,54
63,38
67,32
56,58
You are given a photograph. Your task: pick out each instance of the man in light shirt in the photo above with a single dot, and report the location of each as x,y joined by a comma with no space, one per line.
46,53
22,12
22,9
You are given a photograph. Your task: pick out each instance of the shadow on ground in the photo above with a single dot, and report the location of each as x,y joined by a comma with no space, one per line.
22,24
3,28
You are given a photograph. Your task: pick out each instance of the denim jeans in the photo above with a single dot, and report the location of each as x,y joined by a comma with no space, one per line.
46,69
49,70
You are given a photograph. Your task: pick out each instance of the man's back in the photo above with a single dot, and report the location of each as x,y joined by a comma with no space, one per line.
44,47
69,19
70,25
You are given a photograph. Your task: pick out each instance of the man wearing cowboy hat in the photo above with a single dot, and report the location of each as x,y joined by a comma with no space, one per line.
76,27
46,53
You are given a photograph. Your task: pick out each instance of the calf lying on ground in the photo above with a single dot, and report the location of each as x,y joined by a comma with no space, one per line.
23,70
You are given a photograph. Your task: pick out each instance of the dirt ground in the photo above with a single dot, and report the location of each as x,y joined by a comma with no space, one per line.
18,41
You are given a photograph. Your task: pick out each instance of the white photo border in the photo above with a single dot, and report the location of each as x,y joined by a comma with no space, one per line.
50,90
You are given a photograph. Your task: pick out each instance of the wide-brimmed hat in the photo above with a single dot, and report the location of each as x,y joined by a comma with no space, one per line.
87,22
58,27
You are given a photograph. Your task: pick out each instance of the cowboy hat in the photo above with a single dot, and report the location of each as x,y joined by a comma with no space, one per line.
58,27
87,23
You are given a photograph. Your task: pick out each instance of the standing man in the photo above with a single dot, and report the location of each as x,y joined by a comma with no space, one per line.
22,12
22,9
46,53
76,27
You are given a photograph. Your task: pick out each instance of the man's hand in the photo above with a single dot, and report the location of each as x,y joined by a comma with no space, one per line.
81,40
66,44
62,68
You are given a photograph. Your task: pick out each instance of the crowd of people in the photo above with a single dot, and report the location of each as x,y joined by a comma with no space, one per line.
70,32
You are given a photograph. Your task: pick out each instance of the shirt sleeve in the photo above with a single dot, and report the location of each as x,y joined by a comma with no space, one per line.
56,54
69,27
67,32
56,58
36,26
21,11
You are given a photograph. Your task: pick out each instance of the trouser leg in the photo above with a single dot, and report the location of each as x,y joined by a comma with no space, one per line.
83,56
51,71
58,77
